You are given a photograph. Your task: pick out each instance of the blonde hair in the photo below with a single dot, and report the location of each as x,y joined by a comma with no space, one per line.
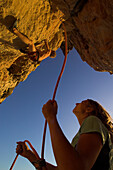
103,115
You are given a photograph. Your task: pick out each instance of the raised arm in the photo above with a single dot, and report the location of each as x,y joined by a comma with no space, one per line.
45,53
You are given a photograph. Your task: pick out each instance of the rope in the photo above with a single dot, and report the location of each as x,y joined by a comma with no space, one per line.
54,94
21,152
14,162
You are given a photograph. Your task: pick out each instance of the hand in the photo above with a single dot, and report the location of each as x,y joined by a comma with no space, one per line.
49,110
23,149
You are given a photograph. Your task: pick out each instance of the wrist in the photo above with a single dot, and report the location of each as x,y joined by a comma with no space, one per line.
39,164
31,156
52,120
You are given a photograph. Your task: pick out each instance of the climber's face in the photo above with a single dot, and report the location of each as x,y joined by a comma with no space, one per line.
80,110
81,107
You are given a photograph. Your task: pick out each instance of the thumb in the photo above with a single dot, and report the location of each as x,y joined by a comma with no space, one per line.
23,145
55,104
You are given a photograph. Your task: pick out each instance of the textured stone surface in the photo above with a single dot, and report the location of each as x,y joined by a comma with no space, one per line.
89,26
90,31
38,22
95,28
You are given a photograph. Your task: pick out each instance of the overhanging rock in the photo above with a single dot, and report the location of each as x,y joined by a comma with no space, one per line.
89,26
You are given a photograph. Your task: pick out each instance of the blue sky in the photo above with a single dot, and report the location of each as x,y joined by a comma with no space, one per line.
21,116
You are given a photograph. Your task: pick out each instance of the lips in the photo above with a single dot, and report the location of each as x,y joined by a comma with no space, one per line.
73,109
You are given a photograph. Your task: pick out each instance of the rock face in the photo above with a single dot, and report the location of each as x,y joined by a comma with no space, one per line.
89,26
90,31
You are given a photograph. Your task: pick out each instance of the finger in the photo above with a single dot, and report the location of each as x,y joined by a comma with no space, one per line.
54,103
19,142
22,145
19,150
49,102
19,146
46,104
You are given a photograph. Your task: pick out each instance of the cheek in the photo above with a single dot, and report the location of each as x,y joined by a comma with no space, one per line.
74,109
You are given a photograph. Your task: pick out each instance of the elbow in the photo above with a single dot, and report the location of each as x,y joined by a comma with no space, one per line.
72,166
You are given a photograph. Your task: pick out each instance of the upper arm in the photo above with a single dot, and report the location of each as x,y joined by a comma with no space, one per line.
88,147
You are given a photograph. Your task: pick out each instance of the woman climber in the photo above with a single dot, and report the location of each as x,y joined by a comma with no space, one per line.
34,53
92,146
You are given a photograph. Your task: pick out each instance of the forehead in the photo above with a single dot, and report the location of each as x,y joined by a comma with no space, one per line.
84,101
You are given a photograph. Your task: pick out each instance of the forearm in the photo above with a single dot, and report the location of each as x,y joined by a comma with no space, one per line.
32,158
50,167
66,156
47,45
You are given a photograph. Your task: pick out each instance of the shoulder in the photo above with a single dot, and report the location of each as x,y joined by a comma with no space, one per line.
93,124
91,120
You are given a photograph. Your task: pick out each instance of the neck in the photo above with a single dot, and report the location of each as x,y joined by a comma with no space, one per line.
80,120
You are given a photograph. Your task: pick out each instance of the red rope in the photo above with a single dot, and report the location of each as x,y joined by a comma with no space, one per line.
14,162
54,94
20,153
35,152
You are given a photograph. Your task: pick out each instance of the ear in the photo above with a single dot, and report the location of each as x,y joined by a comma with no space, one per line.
89,109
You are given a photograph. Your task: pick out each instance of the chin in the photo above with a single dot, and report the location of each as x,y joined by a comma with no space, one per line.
73,110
